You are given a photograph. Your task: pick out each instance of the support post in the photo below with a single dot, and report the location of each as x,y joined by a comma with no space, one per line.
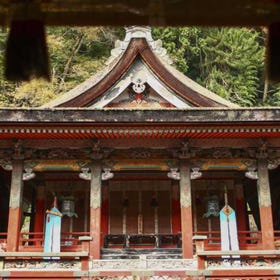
85,248
104,210
176,219
199,247
241,212
15,211
95,210
265,209
39,214
186,209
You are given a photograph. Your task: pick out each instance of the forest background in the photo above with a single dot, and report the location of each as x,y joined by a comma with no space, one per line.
227,61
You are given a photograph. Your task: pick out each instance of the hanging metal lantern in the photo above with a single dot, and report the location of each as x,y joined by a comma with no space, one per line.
212,207
68,207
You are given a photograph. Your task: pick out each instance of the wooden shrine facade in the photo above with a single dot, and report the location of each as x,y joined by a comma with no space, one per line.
140,208
139,157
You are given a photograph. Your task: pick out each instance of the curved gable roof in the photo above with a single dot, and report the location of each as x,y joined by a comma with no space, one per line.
140,46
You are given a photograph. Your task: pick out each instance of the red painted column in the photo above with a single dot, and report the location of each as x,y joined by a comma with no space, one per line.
186,209
104,210
264,197
176,211
95,210
15,211
241,213
40,213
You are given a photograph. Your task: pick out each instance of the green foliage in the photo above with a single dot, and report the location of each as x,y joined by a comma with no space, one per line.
228,61
6,89
75,54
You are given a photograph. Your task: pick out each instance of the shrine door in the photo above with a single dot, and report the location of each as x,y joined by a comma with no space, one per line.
140,207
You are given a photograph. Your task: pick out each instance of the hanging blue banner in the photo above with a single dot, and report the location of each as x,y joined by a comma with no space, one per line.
52,231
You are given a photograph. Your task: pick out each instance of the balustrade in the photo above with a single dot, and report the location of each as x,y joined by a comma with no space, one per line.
160,240
247,239
75,253
34,241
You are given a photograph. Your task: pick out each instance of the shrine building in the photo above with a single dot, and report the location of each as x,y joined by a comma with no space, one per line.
140,159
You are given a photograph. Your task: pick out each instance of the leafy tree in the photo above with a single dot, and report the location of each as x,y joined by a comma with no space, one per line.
6,89
75,54
228,61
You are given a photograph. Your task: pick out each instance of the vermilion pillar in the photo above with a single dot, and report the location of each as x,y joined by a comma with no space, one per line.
104,210
265,205
186,209
15,210
95,210
241,213
176,213
39,212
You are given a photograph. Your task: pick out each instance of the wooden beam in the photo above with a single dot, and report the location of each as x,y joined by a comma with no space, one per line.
163,13
240,252
186,209
15,211
95,210
265,208
43,254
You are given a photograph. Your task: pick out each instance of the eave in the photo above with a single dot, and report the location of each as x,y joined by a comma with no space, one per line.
117,124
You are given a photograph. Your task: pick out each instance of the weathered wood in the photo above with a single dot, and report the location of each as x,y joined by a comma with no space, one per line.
95,209
140,47
43,254
15,210
162,13
190,115
199,246
186,209
240,252
265,207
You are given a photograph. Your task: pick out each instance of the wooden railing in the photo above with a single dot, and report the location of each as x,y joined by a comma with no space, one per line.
33,241
235,256
247,239
239,258
160,240
16,257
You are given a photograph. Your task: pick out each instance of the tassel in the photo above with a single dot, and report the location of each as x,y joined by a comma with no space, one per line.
26,52
273,52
